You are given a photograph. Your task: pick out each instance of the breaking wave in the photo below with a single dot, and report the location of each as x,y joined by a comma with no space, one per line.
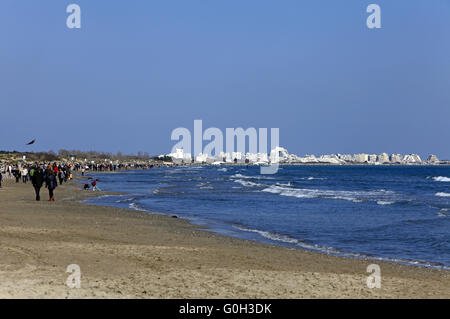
353,196
311,178
441,179
441,194
135,206
336,252
248,183
287,184
240,176
271,236
381,202
125,200
205,186
443,212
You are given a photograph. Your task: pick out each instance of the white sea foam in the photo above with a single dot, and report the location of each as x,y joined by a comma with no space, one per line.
240,176
248,183
206,185
223,169
136,207
382,202
441,179
287,184
353,196
441,194
333,251
271,236
311,178
114,196
443,213
125,200
294,241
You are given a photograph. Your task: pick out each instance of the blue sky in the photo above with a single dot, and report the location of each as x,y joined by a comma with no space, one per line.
136,70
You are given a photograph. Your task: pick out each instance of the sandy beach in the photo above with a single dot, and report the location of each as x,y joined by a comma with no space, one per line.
132,254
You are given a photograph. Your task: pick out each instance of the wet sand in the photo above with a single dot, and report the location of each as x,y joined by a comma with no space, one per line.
132,254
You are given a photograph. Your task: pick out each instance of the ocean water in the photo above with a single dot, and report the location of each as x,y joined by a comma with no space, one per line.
392,213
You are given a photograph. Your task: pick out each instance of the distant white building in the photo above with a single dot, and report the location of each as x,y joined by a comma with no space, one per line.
372,158
346,157
308,159
201,158
179,155
383,158
433,159
412,159
361,158
237,156
263,157
330,159
228,158
251,157
279,154
396,158
225,157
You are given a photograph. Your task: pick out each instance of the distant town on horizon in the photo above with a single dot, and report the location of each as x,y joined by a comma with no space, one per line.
179,157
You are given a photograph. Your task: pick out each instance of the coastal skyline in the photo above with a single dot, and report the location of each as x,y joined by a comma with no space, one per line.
133,73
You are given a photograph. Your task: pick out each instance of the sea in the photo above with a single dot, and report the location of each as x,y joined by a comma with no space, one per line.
391,213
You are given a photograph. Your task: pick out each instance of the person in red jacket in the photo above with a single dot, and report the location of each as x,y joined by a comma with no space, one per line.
94,185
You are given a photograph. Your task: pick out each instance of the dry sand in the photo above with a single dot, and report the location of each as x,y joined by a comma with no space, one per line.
131,254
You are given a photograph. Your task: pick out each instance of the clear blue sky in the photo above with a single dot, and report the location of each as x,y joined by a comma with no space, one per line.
138,69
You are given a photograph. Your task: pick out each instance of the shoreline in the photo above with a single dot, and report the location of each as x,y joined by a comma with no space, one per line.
206,225
132,254
255,235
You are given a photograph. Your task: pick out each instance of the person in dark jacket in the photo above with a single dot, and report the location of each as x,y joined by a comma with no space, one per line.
51,185
37,180
60,177
17,174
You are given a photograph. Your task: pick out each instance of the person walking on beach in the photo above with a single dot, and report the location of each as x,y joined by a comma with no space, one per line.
24,175
17,174
37,180
60,177
1,179
51,185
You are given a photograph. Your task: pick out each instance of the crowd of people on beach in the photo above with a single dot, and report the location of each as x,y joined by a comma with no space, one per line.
51,175
108,167
38,174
